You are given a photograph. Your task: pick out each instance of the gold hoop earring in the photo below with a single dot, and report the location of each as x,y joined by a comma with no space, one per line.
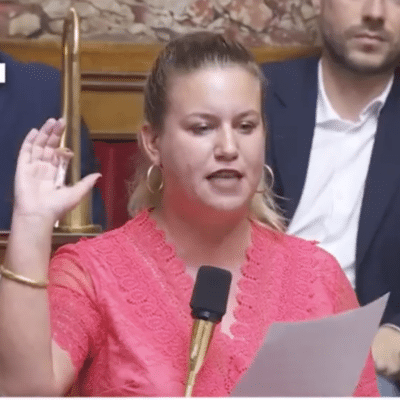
270,186
148,180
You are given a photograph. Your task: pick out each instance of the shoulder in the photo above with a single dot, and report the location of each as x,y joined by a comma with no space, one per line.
111,243
309,279
298,253
322,270
30,73
118,258
289,82
31,88
306,268
102,260
290,69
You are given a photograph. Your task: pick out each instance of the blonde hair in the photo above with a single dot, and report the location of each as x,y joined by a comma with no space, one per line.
183,55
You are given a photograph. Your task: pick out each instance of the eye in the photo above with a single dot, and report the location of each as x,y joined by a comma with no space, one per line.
247,127
200,129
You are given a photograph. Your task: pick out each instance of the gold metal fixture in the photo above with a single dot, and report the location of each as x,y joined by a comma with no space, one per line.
78,220
201,337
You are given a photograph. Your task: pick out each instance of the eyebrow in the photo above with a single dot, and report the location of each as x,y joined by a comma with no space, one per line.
212,116
247,113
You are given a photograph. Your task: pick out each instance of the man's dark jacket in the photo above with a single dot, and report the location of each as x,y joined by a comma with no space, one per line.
29,96
290,110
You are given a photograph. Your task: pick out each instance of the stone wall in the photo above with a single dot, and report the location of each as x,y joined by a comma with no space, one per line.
255,22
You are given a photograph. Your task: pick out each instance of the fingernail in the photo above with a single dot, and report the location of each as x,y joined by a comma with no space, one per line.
64,152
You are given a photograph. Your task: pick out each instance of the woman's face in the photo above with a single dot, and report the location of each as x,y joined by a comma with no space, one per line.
211,150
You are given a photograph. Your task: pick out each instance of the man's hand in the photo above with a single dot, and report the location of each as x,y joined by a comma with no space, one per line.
386,352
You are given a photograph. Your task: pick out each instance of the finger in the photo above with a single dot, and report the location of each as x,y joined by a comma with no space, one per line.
56,133
45,131
80,189
390,371
26,148
42,138
30,138
388,365
64,152
53,142
394,365
380,368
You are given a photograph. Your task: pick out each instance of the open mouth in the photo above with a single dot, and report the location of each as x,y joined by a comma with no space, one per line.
225,174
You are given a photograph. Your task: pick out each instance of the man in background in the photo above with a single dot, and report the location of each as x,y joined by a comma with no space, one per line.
334,146
29,96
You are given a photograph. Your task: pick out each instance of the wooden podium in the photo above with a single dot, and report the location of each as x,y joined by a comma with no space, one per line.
58,240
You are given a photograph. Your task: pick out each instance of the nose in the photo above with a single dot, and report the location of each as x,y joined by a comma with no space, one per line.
374,13
226,146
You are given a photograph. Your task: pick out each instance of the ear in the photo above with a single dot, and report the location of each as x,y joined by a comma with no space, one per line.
150,142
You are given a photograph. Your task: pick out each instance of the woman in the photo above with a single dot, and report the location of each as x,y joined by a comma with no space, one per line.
117,318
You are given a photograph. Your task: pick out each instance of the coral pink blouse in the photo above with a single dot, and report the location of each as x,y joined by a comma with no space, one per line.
120,307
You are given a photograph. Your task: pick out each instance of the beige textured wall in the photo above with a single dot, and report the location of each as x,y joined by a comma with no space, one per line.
255,22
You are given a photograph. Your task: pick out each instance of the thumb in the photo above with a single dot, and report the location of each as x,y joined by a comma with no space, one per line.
83,187
380,366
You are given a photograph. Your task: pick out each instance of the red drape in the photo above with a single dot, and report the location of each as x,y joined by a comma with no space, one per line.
117,167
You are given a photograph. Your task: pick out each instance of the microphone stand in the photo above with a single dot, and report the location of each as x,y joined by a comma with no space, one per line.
201,337
208,303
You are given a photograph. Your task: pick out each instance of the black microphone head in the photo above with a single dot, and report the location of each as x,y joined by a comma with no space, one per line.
210,293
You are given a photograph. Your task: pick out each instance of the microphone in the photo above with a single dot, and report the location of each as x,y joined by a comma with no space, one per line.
208,303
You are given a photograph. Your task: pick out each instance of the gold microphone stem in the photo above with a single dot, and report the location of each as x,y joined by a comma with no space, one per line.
201,337
190,384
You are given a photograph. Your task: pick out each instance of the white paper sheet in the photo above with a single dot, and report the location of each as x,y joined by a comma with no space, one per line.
322,357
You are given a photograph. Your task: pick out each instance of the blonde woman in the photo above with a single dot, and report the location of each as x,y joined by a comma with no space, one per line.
115,318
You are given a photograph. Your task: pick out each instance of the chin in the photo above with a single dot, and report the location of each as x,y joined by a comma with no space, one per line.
362,60
228,205
370,64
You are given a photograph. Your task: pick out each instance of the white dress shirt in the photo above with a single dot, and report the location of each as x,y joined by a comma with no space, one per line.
330,204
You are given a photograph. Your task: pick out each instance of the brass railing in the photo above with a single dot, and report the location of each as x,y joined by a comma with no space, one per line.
78,220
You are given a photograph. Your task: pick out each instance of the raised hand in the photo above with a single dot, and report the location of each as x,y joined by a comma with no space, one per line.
38,191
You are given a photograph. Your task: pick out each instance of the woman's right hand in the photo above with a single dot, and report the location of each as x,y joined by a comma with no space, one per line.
37,193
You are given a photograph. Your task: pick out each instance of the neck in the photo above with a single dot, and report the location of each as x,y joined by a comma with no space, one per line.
350,92
220,239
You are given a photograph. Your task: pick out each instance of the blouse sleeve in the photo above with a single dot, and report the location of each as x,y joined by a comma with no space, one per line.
345,299
74,312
